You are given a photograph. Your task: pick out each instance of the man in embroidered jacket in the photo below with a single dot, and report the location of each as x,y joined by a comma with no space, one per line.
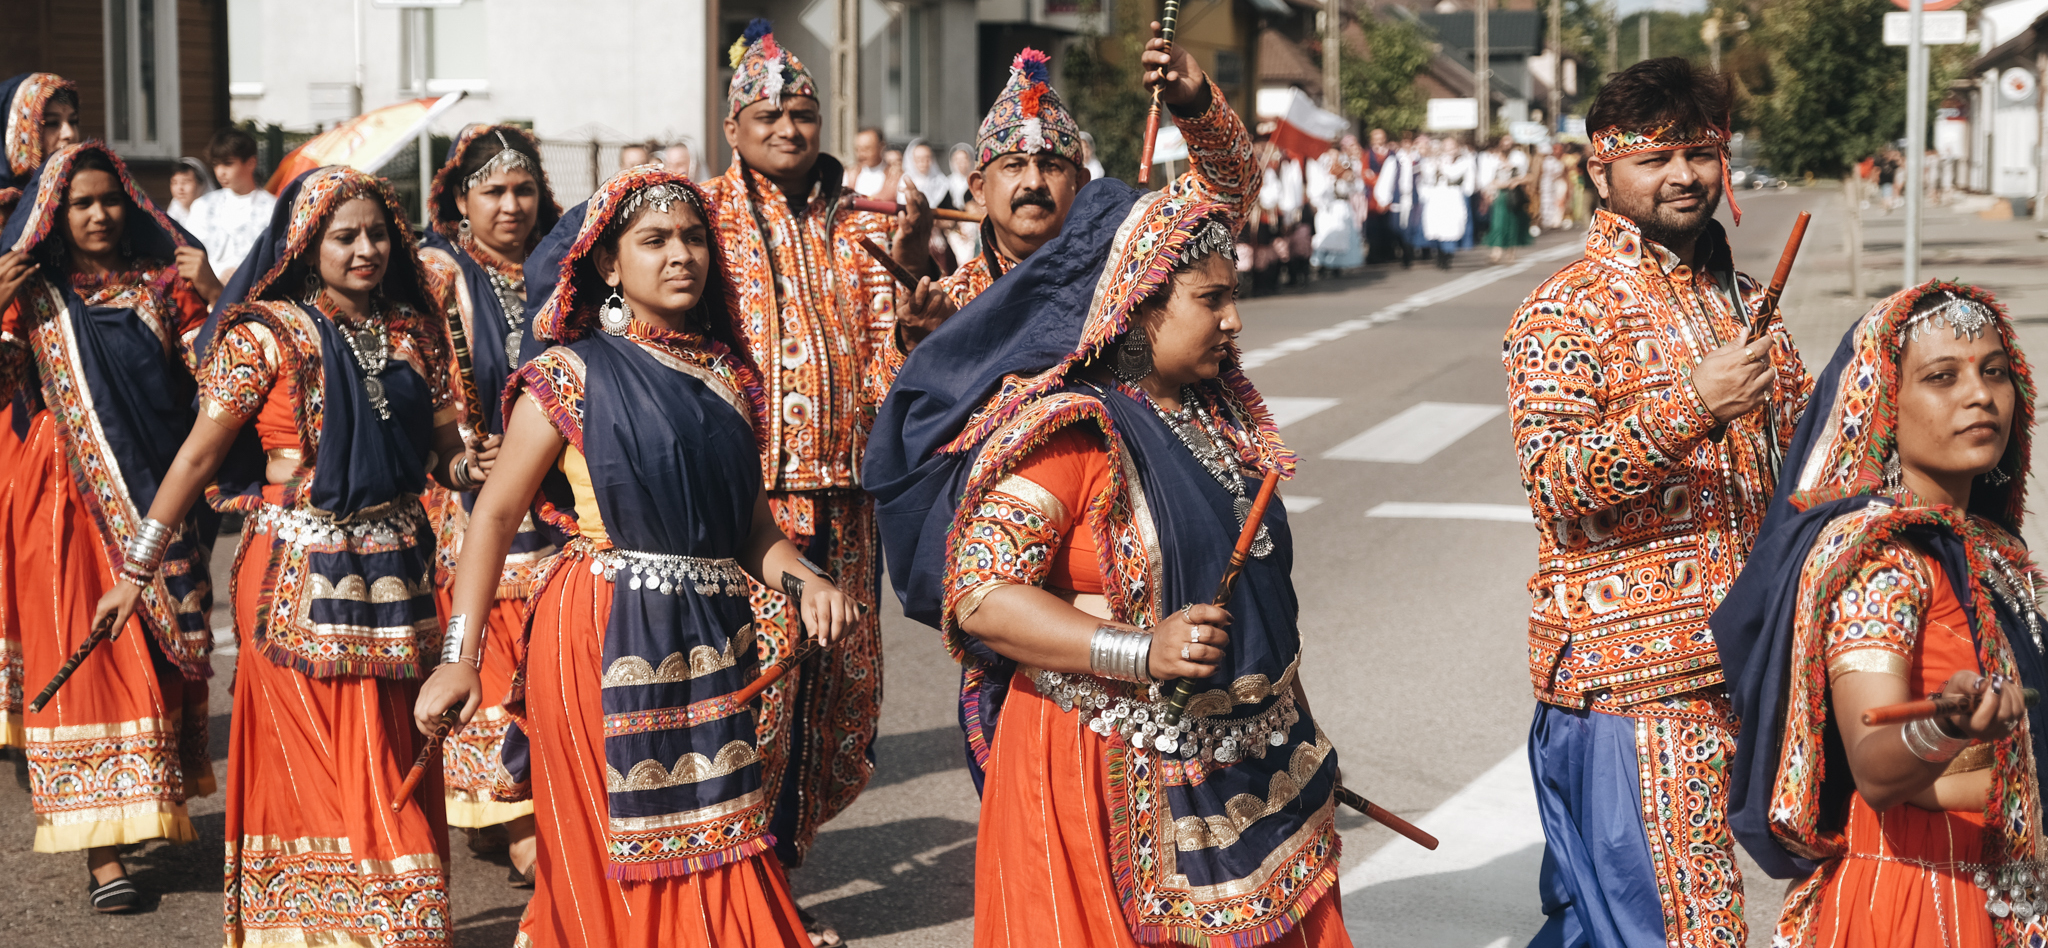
1648,433
1028,168
819,316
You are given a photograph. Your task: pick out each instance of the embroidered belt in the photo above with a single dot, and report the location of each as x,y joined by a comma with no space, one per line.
1219,739
386,523
666,572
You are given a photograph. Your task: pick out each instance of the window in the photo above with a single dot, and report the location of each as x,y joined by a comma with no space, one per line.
245,48
907,50
444,49
142,77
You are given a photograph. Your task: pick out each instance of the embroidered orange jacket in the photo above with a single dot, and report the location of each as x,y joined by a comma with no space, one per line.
1643,518
819,316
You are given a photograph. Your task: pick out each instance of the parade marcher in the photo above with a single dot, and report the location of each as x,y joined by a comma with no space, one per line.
1645,430
1447,180
1504,185
656,828
42,116
1552,190
492,204
324,403
818,314
94,347
1332,179
1891,568
1394,190
1063,469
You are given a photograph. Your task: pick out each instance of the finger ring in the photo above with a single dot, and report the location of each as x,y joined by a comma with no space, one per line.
1184,652
1195,635
1186,613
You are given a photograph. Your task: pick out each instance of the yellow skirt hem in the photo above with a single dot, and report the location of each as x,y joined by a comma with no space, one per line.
171,825
472,814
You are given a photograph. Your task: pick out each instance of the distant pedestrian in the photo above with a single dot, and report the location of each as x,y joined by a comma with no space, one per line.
189,180
868,176
1644,430
229,220
635,154
1447,180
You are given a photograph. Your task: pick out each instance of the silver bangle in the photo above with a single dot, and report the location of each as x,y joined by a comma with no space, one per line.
1927,740
144,554
1121,654
451,643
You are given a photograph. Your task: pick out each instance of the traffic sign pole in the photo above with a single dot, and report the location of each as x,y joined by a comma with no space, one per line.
1916,137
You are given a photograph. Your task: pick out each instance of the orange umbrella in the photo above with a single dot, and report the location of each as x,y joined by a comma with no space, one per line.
365,142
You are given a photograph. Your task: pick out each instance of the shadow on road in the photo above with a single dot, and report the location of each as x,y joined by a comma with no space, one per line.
894,877
904,757
491,928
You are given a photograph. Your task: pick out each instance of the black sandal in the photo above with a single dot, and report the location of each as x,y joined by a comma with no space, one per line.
118,897
524,880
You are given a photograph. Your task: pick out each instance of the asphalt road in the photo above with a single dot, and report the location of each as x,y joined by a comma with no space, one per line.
1411,572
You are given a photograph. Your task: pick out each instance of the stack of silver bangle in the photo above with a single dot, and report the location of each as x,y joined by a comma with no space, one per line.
1121,654
145,552
1931,742
451,643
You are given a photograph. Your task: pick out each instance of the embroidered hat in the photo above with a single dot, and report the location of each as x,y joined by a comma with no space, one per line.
1615,142
762,69
1028,116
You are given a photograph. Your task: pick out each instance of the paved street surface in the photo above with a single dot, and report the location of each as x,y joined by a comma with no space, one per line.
1413,548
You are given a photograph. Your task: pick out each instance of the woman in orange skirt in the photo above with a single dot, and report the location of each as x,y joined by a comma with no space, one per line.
646,772
1896,572
102,331
324,407
491,204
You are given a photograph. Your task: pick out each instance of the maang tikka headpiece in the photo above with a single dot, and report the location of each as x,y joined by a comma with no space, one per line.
506,159
660,195
1968,318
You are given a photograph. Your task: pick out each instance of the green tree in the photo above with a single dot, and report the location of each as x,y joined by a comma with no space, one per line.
1101,75
1379,83
1837,92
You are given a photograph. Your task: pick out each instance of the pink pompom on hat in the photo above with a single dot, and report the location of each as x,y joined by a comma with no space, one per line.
1028,117
762,69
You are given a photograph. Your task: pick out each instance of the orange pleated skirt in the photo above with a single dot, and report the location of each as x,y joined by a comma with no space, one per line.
315,854
1872,900
742,903
114,756
1041,862
470,754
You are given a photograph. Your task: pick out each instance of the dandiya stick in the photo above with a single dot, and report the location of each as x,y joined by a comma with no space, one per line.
1167,20
889,263
878,206
100,633
774,673
1936,706
1177,702
449,719
1380,815
1784,272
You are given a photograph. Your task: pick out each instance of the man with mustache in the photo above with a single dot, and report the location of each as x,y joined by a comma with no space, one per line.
1029,164
1647,431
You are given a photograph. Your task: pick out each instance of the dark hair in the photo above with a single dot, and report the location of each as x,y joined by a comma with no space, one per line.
182,168
230,145
87,160
1656,91
67,96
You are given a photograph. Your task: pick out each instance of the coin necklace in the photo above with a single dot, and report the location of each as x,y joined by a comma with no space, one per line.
371,345
511,300
1214,449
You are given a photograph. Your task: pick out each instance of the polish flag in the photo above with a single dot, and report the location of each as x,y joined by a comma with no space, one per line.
1300,128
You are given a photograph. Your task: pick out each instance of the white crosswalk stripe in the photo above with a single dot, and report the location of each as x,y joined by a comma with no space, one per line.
1505,513
1288,410
1417,434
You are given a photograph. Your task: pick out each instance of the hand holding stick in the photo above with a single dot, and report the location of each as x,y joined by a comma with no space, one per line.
1167,20
888,263
1380,815
449,719
100,633
879,206
1784,272
1184,689
1937,706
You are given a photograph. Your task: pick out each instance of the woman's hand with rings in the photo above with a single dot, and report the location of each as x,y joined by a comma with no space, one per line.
1189,644
2000,704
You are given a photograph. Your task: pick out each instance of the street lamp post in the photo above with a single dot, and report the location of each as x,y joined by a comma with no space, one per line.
1916,135
1333,38
1482,72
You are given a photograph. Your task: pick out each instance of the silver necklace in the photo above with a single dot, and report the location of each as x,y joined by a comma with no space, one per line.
1203,436
370,343
511,298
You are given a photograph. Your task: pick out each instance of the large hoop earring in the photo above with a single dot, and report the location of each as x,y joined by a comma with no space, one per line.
313,288
614,316
1133,356
462,229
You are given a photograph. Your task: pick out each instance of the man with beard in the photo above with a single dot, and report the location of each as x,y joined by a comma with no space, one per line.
819,318
1030,163
1647,432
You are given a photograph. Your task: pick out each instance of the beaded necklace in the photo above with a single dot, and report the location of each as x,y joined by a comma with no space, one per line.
1215,448
511,291
370,343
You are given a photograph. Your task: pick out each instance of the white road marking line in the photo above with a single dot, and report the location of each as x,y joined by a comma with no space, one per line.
1504,513
1491,817
1430,297
847,891
1297,505
1287,411
1417,434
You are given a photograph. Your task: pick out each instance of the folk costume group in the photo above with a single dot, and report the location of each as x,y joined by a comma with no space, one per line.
454,498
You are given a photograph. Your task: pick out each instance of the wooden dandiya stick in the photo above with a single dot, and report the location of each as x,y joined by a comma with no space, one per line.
449,719
889,263
1936,706
465,372
1167,20
100,633
1784,272
878,206
1380,815
774,673
1177,702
